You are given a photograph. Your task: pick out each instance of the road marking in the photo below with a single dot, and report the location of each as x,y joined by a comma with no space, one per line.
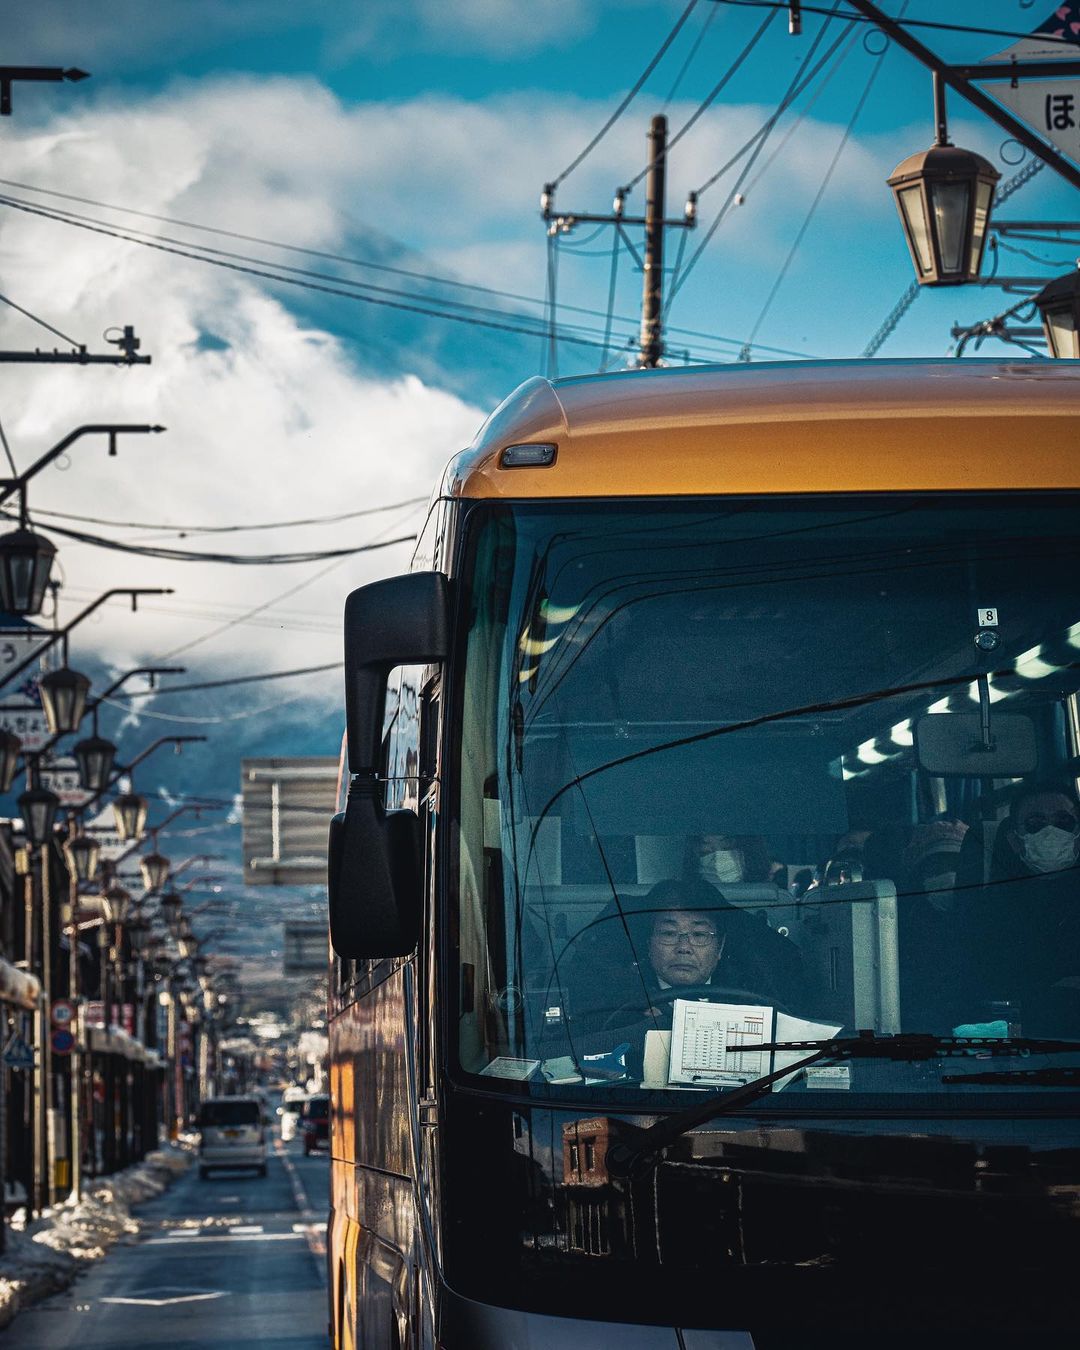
246,1228
314,1229
164,1302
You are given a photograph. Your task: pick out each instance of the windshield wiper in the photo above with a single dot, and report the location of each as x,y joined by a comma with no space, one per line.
638,1156
1053,1076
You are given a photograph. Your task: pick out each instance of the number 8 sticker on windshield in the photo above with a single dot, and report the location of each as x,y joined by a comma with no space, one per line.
988,618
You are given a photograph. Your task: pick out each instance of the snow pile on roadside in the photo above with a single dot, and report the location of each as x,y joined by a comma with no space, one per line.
46,1256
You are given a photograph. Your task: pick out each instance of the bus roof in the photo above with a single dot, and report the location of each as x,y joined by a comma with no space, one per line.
806,426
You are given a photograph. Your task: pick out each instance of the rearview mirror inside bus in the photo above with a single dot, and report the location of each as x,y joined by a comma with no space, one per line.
952,743
374,874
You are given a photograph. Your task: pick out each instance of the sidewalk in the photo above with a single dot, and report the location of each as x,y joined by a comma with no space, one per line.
46,1256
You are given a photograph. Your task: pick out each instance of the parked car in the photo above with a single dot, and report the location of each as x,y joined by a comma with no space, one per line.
289,1112
315,1123
231,1134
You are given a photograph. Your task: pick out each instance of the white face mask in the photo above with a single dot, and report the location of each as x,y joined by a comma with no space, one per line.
724,864
1049,849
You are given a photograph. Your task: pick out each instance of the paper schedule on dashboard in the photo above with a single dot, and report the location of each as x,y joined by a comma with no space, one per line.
714,1043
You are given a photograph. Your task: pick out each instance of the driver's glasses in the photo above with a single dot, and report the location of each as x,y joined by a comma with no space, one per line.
697,937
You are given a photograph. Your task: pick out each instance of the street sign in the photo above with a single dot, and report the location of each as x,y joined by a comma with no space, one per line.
61,776
27,721
17,645
288,803
63,1041
1050,107
17,1054
63,1012
306,949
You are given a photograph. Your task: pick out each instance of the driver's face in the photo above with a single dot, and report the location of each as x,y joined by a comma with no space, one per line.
684,947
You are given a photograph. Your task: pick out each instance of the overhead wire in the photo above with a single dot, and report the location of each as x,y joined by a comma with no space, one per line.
7,451
713,12
629,98
128,695
755,144
264,272
711,97
971,29
822,189
38,320
231,529
329,256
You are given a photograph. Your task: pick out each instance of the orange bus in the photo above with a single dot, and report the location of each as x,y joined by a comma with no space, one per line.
705,901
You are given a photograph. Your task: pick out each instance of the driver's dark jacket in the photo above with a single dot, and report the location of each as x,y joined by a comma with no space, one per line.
611,971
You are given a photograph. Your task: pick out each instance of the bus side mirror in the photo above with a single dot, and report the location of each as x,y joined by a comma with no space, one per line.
375,874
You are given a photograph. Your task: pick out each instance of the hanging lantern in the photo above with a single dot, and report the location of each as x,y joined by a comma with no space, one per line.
25,564
945,196
186,945
63,699
95,756
130,811
171,905
10,745
155,870
1058,304
82,853
114,903
38,807
138,931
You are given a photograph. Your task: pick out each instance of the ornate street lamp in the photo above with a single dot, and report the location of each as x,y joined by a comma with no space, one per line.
82,853
171,905
63,699
130,811
10,745
138,931
38,807
945,196
114,904
1058,304
95,756
25,564
155,870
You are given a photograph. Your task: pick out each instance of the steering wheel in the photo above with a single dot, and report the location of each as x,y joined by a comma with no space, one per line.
713,993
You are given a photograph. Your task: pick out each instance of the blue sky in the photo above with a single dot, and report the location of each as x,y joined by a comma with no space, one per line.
413,134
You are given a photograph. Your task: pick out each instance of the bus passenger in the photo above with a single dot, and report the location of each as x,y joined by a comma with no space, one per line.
729,858
1022,930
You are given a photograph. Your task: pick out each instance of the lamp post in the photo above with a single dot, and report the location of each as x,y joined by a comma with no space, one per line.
1058,304
130,811
944,196
10,747
38,807
63,698
26,557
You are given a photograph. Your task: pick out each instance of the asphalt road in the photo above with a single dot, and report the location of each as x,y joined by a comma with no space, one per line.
235,1260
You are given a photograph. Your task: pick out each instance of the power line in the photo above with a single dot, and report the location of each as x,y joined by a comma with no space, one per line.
693,52
903,23
264,273
333,257
47,326
235,559
822,189
635,90
713,93
232,529
223,684
755,145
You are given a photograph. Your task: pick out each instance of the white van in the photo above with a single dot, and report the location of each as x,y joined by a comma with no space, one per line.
291,1101
231,1134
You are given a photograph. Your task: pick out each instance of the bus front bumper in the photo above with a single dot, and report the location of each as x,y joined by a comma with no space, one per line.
465,1325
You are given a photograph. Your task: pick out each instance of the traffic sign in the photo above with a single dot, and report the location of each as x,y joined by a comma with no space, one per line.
17,1054
63,1012
62,1041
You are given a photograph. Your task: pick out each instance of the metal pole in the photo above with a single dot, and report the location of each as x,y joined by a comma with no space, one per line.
652,343
940,118
79,1028
49,1141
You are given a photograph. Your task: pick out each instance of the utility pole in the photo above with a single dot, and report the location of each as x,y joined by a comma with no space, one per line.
652,295
651,259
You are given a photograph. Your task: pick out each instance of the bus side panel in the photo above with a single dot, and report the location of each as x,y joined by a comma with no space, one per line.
374,1228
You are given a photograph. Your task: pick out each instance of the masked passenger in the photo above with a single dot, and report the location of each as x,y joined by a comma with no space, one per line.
730,858
1021,935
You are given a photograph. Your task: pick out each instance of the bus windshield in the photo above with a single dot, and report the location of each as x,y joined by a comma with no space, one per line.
739,771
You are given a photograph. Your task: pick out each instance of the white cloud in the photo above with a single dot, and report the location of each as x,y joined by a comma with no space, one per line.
270,416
